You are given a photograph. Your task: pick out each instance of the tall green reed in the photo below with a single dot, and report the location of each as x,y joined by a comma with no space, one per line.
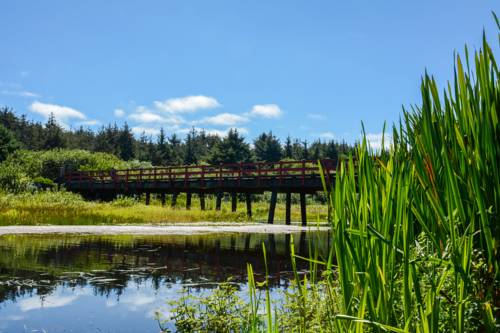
410,221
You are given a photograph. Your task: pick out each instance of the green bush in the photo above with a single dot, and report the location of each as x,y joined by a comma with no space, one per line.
221,311
12,179
48,164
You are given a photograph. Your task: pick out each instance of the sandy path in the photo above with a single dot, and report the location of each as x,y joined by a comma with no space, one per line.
177,229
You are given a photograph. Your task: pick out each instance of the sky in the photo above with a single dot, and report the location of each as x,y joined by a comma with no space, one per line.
309,69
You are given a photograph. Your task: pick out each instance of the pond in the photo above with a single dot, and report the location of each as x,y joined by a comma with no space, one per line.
85,283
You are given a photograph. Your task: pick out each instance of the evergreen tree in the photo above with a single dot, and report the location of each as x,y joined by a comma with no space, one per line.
231,149
126,143
331,151
175,157
305,151
191,151
53,134
317,150
297,150
8,144
267,148
288,149
162,156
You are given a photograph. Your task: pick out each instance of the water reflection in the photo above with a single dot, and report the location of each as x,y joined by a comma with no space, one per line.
74,280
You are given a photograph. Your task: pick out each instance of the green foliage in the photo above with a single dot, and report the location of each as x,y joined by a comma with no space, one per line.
221,311
12,179
48,164
8,144
123,201
267,148
42,182
232,149
53,137
416,230
411,225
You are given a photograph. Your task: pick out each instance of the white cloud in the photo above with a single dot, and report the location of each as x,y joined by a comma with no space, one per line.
62,114
119,113
266,111
187,104
90,122
224,119
375,140
222,133
49,302
138,130
316,116
327,135
145,116
20,93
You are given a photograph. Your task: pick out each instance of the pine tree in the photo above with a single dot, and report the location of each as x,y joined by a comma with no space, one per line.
317,151
231,149
288,149
331,151
297,150
305,151
267,148
162,156
190,151
53,134
8,144
126,143
175,157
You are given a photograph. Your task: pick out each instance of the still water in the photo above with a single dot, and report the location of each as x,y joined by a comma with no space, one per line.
82,283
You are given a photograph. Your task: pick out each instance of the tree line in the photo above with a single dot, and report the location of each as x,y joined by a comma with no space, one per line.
17,132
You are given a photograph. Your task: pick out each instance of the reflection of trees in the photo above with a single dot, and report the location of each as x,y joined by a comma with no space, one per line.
108,264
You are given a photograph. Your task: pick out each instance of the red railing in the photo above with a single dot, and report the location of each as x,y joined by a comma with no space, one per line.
237,171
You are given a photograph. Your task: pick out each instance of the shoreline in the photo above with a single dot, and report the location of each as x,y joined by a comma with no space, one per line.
166,229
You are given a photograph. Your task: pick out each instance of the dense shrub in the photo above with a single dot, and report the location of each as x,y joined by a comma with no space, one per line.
48,164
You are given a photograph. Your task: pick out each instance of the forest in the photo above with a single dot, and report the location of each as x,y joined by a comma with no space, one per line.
18,132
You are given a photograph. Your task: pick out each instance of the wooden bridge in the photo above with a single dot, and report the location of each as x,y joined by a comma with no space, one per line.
287,177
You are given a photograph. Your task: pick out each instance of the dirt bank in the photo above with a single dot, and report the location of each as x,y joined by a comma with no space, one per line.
188,229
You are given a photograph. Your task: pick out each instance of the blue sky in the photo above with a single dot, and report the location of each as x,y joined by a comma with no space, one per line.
311,69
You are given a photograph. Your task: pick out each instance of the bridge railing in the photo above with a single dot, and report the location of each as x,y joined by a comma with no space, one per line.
239,171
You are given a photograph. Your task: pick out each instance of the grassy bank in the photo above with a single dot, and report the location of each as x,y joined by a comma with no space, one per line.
62,208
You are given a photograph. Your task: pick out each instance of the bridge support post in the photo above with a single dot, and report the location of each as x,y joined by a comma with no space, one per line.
272,207
188,200
174,199
248,198
148,198
163,198
202,201
288,203
218,200
303,212
234,201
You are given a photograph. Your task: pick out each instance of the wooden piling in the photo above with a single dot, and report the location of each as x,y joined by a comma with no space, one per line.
303,212
218,200
272,207
288,204
248,198
188,200
202,201
234,201
174,199
163,198
148,198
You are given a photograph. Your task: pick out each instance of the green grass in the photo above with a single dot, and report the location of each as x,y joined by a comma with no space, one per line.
63,208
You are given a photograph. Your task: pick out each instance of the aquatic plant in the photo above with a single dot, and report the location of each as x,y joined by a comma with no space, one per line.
415,225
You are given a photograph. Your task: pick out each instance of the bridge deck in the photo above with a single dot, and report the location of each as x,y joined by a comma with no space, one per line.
286,177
